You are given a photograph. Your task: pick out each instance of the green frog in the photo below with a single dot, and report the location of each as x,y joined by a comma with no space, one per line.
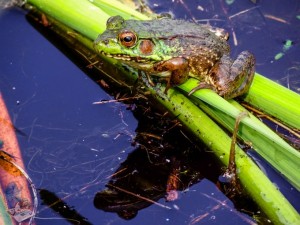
176,50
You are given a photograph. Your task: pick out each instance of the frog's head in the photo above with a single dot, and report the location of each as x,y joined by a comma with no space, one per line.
130,40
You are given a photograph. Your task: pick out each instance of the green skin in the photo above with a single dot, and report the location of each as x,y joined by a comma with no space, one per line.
176,50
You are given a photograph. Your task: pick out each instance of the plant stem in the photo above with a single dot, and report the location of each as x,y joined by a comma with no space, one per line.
276,100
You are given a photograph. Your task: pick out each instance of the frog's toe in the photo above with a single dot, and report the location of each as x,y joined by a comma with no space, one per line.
201,85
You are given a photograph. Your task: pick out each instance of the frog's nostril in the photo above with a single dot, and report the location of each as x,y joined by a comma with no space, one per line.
105,42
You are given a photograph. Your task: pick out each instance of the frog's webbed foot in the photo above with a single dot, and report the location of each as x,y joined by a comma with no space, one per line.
230,178
235,79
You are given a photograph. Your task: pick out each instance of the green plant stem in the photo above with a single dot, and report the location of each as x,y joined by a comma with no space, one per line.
80,15
268,144
113,8
276,100
252,178
267,96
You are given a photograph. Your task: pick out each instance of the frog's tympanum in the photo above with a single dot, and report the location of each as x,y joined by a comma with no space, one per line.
176,50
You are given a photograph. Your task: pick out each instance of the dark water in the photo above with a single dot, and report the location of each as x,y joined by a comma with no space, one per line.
71,147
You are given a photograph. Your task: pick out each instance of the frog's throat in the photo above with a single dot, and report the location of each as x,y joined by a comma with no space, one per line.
126,57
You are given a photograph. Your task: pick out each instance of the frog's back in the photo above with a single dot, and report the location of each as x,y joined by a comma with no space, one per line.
192,36
169,28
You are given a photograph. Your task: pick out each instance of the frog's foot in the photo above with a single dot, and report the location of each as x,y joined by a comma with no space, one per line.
240,77
229,178
201,85
173,181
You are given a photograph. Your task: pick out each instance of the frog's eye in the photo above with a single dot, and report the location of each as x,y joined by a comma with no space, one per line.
127,38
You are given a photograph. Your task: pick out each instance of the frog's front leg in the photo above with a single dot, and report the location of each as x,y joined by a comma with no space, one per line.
177,68
232,79
148,78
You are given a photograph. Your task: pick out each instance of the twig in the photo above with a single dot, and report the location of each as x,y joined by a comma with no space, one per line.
139,196
115,100
261,114
276,18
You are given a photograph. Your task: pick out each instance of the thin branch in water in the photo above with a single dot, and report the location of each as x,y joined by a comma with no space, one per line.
262,115
150,135
139,196
223,203
115,100
242,12
271,17
187,9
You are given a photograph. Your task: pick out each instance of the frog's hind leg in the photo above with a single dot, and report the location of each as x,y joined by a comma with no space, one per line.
240,75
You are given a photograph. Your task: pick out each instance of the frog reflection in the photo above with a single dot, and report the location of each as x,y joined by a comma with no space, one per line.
155,170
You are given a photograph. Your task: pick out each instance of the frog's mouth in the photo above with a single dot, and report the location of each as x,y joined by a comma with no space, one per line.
124,57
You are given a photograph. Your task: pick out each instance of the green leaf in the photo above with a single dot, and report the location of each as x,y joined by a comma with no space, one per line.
278,56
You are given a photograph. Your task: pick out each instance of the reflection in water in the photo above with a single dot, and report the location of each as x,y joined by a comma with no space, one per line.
160,166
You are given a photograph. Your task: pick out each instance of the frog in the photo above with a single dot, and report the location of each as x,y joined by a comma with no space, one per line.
175,50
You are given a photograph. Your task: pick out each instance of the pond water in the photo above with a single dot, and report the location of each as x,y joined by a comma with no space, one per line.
71,147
